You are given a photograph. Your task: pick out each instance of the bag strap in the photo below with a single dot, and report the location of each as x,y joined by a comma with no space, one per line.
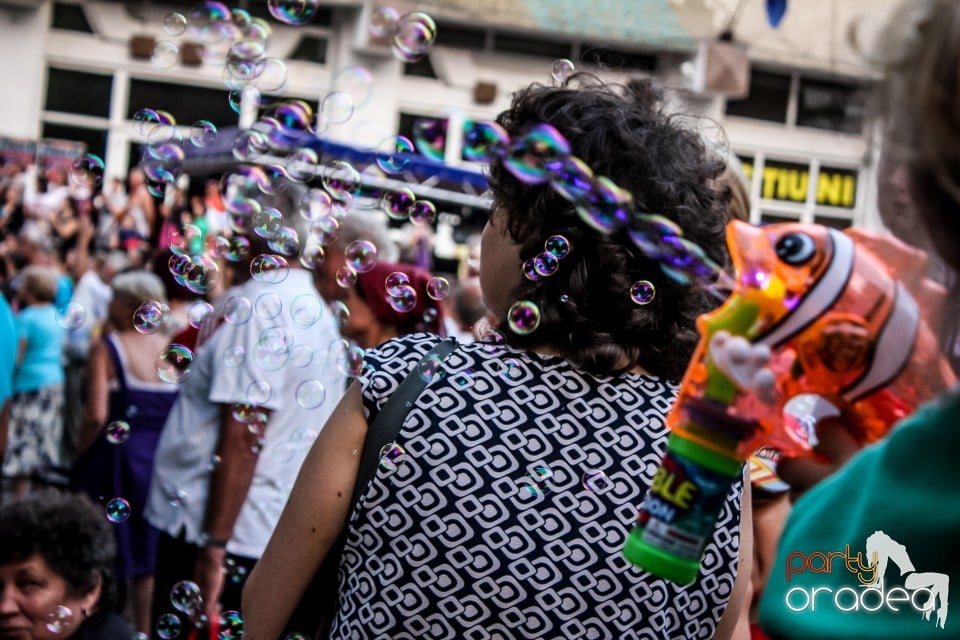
386,425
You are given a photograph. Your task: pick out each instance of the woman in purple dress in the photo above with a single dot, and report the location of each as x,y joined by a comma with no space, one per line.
128,403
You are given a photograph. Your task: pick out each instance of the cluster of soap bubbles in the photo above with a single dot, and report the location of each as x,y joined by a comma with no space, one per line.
410,35
401,294
547,263
402,204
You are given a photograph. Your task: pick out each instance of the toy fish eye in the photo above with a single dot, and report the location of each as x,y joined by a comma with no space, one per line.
796,248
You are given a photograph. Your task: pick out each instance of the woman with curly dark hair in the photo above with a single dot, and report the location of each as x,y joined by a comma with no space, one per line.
56,570
525,463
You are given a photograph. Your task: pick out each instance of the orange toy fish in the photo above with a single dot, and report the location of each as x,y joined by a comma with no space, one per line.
831,323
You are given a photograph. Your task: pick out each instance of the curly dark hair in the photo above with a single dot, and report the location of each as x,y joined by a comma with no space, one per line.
72,535
621,132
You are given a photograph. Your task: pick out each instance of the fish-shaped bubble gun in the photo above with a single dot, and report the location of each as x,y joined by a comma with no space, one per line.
820,323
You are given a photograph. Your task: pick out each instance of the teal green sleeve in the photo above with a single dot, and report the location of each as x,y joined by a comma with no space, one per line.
902,494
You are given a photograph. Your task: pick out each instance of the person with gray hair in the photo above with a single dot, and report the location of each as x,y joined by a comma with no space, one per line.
128,399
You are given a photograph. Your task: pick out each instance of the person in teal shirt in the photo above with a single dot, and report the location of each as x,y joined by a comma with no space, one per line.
34,452
869,552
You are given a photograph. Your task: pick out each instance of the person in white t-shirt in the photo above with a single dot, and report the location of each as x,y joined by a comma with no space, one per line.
258,391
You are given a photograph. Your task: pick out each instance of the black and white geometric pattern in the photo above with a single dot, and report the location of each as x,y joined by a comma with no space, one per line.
506,515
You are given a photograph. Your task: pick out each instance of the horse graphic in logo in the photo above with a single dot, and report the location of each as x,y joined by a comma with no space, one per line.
886,550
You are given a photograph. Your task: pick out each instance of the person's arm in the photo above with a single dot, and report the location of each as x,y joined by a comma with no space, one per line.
315,514
98,396
229,485
21,351
735,622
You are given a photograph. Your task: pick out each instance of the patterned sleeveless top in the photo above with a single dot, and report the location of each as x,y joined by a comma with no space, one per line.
503,512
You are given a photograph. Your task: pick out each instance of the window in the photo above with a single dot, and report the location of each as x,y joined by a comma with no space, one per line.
186,103
311,49
449,35
615,60
95,139
78,92
773,218
833,222
768,99
831,105
525,45
420,68
70,17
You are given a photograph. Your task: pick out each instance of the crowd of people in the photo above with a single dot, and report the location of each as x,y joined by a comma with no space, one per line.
233,438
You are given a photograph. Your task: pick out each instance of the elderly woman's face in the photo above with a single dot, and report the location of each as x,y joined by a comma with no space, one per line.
30,591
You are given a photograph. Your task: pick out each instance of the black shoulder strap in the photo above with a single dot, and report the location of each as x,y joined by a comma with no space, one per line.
386,425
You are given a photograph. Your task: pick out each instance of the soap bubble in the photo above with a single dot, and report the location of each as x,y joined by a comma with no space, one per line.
306,310
523,317
117,432
529,269
231,625
537,156
398,204
394,281
383,21
259,392
301,164
606,207
354,82
336,107
293,12
546,264
438,288
203,133
403,299
185,596
423,213
59,619
391,456
150,316
208,23
268,306
342,180
414,35
430,137
86,171
394,153
484,140
430,368
595,480
168,626
237,310
175,23
346,277
310,394
269,268
199,314
361,255
558,246
118,510
234,356
174,363
642,292
73,316
165,54
562,69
